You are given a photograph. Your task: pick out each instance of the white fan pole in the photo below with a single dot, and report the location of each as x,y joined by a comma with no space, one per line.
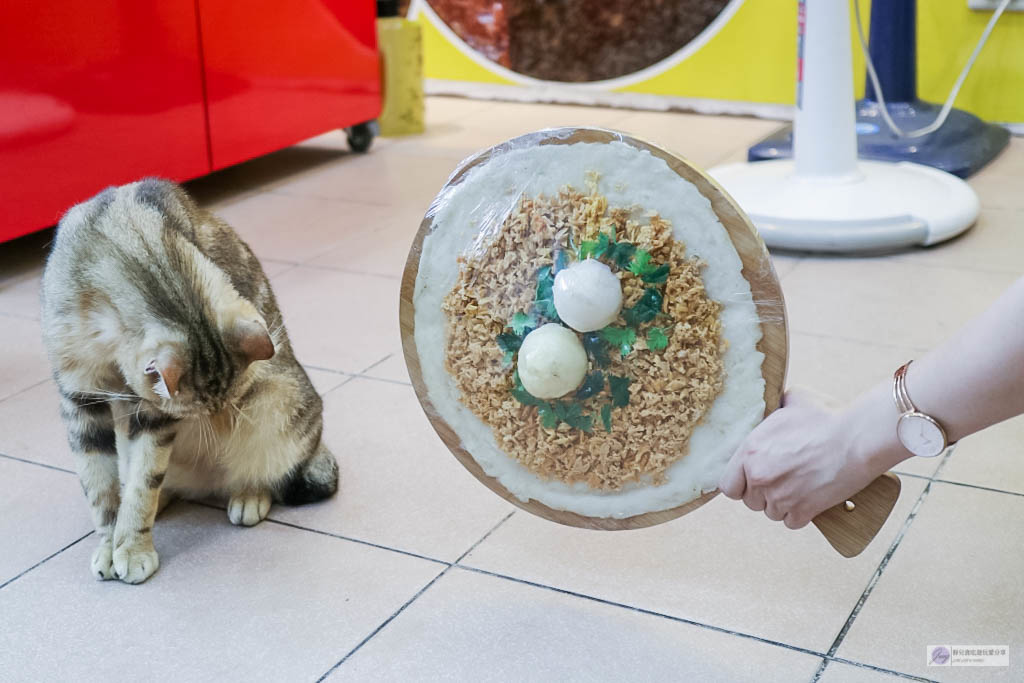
825,136
825,199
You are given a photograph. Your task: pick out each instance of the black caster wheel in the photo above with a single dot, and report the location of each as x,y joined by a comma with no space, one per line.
361,135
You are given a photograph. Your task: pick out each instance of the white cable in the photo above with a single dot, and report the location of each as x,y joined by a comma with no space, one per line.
941,118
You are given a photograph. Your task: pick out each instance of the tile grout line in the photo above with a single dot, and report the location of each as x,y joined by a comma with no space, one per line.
690,622
366,370
45,560
276,190
872,667
819,335
37,464
19,392
873,581
18,316
413,599
485,536
641,610
348,271
383,624
977,487
332,535
360,541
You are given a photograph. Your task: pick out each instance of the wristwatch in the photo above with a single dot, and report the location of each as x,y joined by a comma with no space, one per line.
919,433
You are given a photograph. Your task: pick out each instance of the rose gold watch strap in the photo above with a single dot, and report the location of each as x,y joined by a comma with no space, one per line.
899,390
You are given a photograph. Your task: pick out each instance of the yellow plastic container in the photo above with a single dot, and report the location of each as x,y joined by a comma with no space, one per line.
401,52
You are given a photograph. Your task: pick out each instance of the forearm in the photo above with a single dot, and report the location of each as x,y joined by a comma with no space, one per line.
973,380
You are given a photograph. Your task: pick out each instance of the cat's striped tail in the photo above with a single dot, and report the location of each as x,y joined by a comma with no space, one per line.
313,480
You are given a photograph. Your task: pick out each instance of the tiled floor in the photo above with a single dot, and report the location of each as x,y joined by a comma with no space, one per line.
417,572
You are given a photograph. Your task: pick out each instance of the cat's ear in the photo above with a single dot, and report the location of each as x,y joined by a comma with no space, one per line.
252,340
165,370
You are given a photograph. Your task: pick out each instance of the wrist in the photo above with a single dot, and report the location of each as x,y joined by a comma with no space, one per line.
869,424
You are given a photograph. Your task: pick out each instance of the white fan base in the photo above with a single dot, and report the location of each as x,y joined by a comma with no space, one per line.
880,207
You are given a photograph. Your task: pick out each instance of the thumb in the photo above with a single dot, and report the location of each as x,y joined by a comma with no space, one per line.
733,482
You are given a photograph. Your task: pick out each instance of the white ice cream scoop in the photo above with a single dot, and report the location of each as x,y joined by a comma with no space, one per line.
587,295
552,361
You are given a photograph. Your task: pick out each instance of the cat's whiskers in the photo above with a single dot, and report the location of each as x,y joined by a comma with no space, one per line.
241,413
275,332
101,395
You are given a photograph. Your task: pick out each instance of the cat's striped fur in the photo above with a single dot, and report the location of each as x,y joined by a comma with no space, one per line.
175,371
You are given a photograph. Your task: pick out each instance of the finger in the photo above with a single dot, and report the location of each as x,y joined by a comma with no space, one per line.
733,482
793,521
754,499
773,512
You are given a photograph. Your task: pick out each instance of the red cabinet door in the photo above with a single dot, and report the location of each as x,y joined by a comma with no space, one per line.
280,71
94,93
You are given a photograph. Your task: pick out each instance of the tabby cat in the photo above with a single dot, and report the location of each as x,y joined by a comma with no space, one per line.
175,371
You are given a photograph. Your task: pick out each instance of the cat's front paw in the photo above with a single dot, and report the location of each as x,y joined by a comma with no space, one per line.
135,563
102,562
248,509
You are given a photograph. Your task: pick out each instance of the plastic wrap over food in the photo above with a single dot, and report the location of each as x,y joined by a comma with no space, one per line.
585,323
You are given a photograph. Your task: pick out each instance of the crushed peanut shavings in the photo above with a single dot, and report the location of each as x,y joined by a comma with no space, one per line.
671,390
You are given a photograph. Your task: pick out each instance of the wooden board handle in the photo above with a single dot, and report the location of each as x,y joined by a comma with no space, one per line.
850,526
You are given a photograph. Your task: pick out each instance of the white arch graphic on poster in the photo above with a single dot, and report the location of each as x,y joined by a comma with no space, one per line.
700,40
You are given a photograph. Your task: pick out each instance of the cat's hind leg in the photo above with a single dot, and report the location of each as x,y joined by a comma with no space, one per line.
90,425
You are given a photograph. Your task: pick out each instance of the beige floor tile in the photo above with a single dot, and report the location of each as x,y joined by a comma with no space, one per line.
996,242
324,381
236,182
388,178
784,265
956,580
272,268
704,140
998,184
837,672
460,137
993,458
393,369
20,296
439,109
24,256
268,603
31,427
377,243
722,565
285,227
23,361
400,486
887,301
339,321
34,524
514,118
843,369
511,632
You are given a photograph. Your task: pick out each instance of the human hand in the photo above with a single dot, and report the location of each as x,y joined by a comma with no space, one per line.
801,460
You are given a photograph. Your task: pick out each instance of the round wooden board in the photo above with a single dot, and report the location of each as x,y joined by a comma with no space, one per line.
757,269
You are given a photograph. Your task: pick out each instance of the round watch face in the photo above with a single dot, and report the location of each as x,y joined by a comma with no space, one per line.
921,435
